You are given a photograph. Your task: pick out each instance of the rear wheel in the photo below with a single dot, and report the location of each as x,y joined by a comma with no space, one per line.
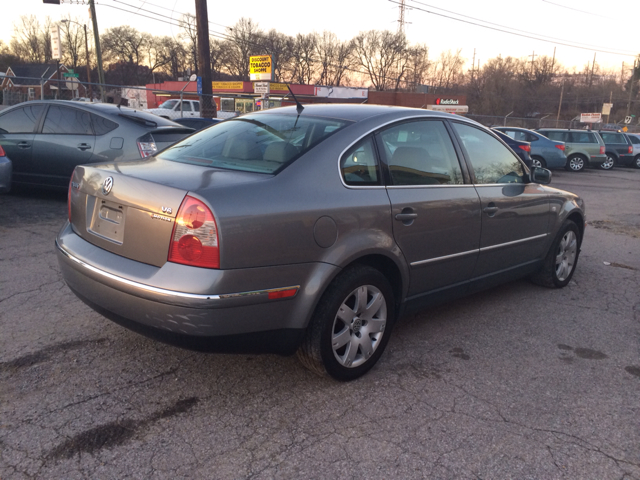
562,258
576,163
351,325
538,162
609,162
636,161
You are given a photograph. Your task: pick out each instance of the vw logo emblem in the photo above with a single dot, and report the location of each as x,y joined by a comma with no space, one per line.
107,185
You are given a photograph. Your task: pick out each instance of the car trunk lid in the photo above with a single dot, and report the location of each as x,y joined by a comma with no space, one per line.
129,208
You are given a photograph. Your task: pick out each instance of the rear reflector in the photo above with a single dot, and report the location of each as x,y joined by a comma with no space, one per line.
282,293
526,148
195,236
560,147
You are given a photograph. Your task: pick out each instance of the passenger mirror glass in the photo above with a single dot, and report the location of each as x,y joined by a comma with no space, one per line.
540,175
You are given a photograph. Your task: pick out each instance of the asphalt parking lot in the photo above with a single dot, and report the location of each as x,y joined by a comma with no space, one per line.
516,382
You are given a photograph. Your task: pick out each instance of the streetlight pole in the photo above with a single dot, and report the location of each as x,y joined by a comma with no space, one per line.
633,77
96,37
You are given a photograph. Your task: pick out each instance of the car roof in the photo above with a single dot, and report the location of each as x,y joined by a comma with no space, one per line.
357,112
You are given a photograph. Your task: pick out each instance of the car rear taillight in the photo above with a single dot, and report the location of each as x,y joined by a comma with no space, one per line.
2,153
194,239
560,147
601,149
630,149
146,145
526,148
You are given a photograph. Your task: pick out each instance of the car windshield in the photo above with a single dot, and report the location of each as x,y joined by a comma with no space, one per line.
169,104
263,143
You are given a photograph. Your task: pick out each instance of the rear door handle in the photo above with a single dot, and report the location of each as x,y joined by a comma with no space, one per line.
84,146
407,216
24,145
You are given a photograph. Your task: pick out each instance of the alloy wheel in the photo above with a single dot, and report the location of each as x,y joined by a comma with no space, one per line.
566,255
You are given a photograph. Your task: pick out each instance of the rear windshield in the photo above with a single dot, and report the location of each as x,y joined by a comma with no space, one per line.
264,143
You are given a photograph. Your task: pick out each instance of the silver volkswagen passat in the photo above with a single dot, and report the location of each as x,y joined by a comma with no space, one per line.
312,230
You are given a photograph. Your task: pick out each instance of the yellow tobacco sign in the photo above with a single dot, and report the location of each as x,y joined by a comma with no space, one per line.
260,68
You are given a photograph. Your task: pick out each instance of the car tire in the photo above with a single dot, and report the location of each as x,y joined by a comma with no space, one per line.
636,161
346,335
562,258
538,162
609,162
576,163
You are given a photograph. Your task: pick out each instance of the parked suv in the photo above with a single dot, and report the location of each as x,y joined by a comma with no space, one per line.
635,142
545,153
618,149
172,110
583,148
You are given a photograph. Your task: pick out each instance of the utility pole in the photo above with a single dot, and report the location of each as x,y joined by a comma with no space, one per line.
96,38
401,19
533,56
560,105
473,63
631,82
593,66
207,105
86,48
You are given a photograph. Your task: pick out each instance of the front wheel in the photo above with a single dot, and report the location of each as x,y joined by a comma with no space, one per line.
562,258
351,325
575,163
609,162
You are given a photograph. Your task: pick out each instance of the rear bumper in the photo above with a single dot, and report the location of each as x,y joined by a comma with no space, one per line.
597,160
188,303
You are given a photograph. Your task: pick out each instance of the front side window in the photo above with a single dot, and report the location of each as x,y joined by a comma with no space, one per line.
21,120
196,106
67,121
359,165
263,143
492,162
421,153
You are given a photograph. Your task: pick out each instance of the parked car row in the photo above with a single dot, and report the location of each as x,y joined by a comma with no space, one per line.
174,109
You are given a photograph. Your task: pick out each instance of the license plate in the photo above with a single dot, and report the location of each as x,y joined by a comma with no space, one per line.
107,220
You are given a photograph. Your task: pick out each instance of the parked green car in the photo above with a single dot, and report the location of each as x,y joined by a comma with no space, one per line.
583,148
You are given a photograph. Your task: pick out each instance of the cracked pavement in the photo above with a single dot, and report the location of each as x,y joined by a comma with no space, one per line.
516,382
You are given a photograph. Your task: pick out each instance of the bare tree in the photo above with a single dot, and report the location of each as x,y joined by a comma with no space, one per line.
243,42
418,66
27,40
280,47
189,35
73,44
334,59
447,70
383,54
303,58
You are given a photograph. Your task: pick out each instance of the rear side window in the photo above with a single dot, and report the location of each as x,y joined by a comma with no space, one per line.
492,162
635,140
612,137
21,120
583,137
557,136
262,143
102,125
421,153
67,121
359,165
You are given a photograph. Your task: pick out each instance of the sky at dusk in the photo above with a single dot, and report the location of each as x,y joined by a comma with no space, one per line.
577,29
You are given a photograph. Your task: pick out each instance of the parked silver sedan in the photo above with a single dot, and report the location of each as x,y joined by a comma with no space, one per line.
312,231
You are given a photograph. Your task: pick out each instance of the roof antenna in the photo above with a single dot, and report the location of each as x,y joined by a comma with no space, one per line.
299,107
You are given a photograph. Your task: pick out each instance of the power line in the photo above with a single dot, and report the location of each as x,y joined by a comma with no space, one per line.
531,36
577,10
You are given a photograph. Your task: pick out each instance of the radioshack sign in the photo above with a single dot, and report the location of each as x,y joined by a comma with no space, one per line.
260,68
447,101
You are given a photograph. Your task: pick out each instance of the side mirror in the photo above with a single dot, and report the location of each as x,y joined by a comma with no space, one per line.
540,175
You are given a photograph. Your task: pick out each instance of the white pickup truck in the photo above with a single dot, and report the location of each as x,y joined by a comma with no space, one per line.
190,108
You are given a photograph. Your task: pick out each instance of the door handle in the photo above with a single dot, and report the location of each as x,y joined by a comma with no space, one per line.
24,145
490,209
84,146
407,216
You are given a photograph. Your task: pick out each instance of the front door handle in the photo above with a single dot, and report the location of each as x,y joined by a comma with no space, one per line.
24,145
84,146
407,216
